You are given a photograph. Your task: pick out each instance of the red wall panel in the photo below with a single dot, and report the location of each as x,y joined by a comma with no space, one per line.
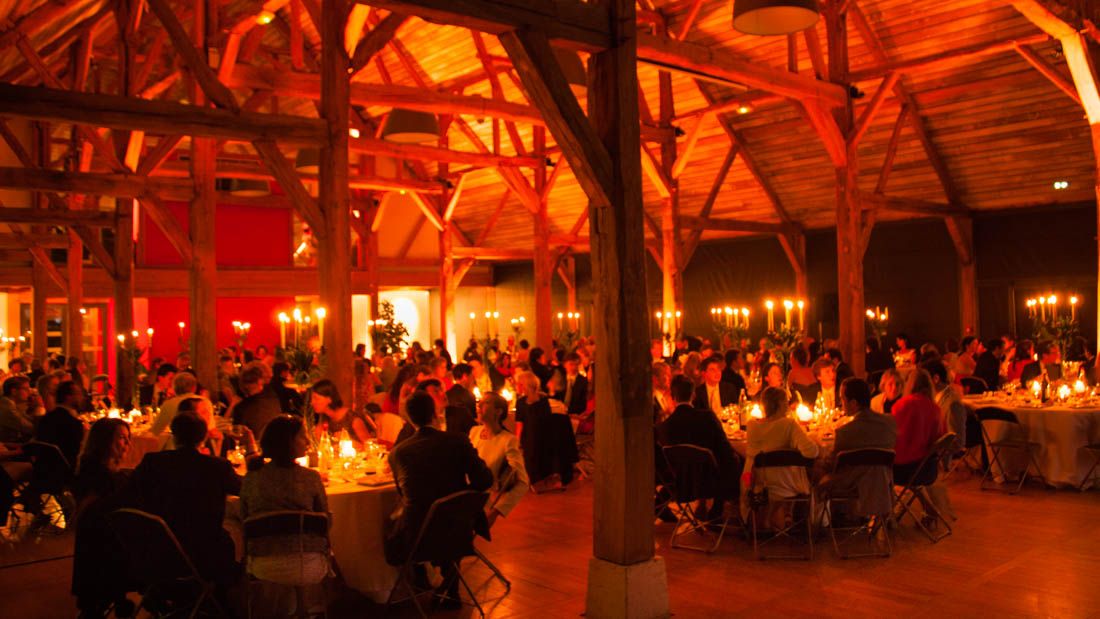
166,313
246,236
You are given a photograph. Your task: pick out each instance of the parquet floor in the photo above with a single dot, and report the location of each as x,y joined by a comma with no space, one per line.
1031,555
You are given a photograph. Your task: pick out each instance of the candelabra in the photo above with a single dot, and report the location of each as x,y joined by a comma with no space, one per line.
569,327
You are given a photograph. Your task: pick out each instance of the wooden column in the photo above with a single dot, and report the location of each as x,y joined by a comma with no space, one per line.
447,287
74,320
1095,132
334,257
849,217
672,278
961,230
624,579
39,281
544,276
794,245
124,297
202,214
567,270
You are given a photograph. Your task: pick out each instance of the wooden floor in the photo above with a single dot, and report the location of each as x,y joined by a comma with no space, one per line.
1035,554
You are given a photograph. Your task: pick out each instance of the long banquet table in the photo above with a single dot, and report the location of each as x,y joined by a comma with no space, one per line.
1061,432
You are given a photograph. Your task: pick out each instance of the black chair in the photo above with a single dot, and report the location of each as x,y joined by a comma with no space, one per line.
445,537
695,479
1094,449
158,562
870,466
973,384
48,494
1014,439
801,506
916,487
289,523
507,482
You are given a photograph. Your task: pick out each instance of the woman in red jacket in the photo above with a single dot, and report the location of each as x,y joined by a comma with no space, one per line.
920,423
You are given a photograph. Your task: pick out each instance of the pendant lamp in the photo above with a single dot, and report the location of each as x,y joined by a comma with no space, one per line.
410,127
248,187
308,161
774,17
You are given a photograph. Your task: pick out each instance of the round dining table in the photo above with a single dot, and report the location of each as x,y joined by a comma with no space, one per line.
1061,431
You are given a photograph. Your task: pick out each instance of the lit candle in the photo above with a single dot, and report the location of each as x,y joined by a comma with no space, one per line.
659,329
181,326
488,327
756,413
771,315
283,320
1063,392
134,334
1079,387
1036,388
1043,308
801,314
321,313
149,332
745,313
496,324
1052,301
121,339
787,307
561,315
297,326
473,324
1073,308
347,448
678,314
804,414
870,314
477,391
578,317
507,394
730,320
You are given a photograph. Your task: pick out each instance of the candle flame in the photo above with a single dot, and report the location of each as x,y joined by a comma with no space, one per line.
804,414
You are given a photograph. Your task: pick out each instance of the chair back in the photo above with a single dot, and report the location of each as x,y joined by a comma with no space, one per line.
51,472
694,472
926,472
154,553
973,384
865,457
284,523
995,413
447,533
780,458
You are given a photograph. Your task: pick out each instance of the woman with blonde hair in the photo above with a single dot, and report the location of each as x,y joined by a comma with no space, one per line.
548,453
889,392
919,424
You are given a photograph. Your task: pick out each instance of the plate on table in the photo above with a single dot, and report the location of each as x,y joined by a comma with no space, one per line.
373,481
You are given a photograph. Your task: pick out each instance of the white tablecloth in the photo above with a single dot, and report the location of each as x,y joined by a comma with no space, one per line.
359,516
1061,432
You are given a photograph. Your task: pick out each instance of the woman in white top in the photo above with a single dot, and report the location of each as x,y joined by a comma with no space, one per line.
499,448
777,431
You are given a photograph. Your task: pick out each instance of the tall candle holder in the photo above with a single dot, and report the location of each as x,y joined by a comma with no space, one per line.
568,331
132,355
877,321
731,323
1050,321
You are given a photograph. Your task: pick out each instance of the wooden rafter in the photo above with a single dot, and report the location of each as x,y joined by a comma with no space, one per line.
696,234
288,178
732,225
193,57
1049,72
375,40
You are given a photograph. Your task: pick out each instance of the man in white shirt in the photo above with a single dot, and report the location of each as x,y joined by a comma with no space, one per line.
184,385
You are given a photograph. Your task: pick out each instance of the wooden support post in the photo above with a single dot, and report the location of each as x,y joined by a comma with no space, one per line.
447,288
124,298
794,245
39,281
672,278
334,257
544,267
849,216
961,230
624,578
567,270
74,320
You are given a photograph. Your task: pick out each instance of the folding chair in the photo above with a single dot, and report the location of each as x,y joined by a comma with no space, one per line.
974,441
506,483
445,537
870,466
160,564
288,523
1015,438
694,471
777,460
51,477
973,384
916,487
1094,449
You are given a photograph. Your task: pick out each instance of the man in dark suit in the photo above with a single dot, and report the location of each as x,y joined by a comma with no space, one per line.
713,394
155,393
456,418
426,467
988,367
695,425
62,426
732,372
574,393
259,405
866,429
1050,361
461,393
188,490
290,401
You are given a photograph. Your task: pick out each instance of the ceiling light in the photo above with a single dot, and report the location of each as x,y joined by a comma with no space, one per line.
353,132
744,109
1061,184
410,127
264,18
308,161
773,17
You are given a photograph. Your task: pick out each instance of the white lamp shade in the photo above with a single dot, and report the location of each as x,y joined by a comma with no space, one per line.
774,17
410,127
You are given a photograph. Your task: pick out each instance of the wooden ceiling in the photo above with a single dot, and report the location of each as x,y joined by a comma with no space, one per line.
1000,130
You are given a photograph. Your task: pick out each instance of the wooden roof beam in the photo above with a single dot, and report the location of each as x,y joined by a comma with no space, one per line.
25,241
569,22
1075,48
911,205
1049,72
969,52
375,40
733,225
421,152
115,185
715,65
55,217
162,117
193,57
493,253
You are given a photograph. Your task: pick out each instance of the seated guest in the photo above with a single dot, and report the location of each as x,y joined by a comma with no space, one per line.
440,369
843,370
62,426
98,566
731,373
967,360
866,429
949,398
101,392
1049,363
824,391
906,355
333,416
429,466
988,367
692,425
574,391
549,446
46,386
155,393
499,449
290,401
259,405
461,394
537,361
184,386
919,425
1021,358
777,431
16,425
801,374
452,419
280,485
188,490
480,375
713,394
889,392
878,360
663,403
